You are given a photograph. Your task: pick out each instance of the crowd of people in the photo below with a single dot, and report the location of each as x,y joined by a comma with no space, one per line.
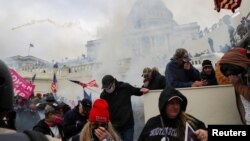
110,117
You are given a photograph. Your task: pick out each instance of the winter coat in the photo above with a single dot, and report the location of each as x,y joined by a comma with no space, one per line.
156,82
12,135
221,79
178,77
211,79
237,57
120,106
44,128
73,122
153,130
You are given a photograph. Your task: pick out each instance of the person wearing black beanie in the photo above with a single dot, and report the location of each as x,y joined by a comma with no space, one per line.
208,73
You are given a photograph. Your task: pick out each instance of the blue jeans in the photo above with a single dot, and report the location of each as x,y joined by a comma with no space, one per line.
127,135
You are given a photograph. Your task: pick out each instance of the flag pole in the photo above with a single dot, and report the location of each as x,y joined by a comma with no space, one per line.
31,45
29,51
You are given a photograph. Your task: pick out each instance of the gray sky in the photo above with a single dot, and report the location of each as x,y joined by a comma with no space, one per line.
60,28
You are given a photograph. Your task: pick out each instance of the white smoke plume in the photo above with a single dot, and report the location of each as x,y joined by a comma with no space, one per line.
63,25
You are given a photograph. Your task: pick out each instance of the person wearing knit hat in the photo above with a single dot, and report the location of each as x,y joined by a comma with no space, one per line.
99,126
208,73
235,65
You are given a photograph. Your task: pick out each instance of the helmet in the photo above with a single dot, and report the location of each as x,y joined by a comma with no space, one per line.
6,89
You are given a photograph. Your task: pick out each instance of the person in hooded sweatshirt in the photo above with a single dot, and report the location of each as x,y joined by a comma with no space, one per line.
180,73
235,65
170,124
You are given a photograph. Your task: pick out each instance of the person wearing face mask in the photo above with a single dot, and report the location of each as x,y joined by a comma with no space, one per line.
99,127
51,124
180,73
118,95
75,119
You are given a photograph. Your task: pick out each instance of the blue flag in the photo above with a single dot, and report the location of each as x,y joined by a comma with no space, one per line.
86,95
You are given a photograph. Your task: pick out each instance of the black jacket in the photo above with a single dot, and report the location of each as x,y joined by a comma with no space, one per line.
153,130
120,106
44,128
73,122
211,79
157,81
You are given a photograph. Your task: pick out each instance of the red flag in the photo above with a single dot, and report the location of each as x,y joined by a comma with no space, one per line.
54,84
227,4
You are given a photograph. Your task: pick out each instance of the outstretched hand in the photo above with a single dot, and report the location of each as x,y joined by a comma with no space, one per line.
144,90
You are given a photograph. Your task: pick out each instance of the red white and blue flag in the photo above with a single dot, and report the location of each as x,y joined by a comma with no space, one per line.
54,84
227,4
91,83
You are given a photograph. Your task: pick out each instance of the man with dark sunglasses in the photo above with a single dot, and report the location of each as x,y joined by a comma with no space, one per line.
118,95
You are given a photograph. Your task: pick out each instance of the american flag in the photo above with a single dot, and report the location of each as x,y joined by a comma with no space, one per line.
91,83
227,4
54,84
